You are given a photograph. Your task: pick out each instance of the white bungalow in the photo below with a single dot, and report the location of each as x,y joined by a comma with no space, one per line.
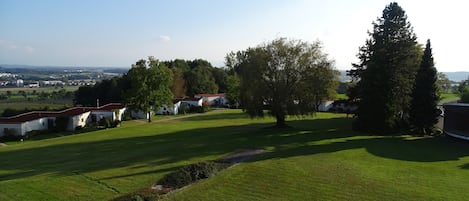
213,99
197,102
113,111
174,109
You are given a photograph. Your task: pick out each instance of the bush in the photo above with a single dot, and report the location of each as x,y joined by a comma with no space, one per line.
115,123
105,122
191,173
10,135
465,95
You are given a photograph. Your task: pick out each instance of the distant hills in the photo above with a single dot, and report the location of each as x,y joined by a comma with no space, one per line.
453,76
457,76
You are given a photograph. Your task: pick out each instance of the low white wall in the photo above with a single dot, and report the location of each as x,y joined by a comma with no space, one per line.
78,120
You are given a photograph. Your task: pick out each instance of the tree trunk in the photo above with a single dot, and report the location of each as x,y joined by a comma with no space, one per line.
280,121
149,117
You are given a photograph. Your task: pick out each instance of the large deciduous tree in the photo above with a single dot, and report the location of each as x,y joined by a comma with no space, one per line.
150,86
287,77
425,96
386,72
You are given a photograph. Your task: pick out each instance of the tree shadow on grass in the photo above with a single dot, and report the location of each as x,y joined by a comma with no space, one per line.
186,145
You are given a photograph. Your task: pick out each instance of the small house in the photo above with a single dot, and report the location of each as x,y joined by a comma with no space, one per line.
213,99
170,109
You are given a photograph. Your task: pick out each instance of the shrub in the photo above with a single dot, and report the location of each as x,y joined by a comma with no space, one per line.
105,122
191,173
10,134
116,123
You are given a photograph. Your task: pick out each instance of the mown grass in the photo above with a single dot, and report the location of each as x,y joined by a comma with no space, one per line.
447,96
318,159
341,96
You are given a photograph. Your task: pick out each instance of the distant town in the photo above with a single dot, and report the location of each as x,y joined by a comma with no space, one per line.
34,77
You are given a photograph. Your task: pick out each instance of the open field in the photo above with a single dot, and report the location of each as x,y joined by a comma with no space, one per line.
318,159
448,96
40,89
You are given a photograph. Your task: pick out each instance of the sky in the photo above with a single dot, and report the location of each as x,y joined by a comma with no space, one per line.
117,33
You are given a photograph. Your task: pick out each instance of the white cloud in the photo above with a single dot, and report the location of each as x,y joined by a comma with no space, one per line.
164,38
9,45
29,49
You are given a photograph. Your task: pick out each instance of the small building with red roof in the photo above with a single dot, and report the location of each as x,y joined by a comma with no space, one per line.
43,120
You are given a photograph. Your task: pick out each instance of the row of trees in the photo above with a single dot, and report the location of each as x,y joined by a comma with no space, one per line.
395,82
187,79
287,77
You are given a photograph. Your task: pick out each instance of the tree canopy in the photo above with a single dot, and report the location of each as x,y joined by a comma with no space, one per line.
425,96
287,77
385,74
150,86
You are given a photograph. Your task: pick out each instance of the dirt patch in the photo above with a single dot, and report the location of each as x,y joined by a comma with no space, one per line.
3,144
242,155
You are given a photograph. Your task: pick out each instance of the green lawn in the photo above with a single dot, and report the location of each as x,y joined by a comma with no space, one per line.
319,159
341,96
448,96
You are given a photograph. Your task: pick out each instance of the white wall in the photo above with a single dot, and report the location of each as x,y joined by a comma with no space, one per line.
194,103
78,120
325,106
103,114
38,124
23,128
16,127
139,114
165,109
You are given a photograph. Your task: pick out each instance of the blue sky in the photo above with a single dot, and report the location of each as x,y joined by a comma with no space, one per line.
119,32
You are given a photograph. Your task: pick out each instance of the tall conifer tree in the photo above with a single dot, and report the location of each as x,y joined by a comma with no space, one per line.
423,114
386,72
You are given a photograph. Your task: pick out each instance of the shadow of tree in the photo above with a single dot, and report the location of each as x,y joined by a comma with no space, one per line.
184,145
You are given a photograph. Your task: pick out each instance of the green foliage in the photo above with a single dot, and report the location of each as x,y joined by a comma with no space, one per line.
220,77
289,77
150,85
444,84
385,75
107,91
192,173
465,95
105,122
423,115
200,79
233,91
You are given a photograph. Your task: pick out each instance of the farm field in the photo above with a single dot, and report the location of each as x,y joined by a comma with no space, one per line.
32,101
320,158
40,89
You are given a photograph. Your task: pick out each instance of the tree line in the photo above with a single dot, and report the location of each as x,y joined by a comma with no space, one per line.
395,82
187,78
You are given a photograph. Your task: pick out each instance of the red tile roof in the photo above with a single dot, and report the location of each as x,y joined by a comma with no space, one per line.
110,107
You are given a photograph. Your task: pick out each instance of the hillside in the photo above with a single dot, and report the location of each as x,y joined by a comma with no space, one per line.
318,159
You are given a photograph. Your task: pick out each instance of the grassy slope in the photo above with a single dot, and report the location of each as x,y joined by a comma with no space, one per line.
319,159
